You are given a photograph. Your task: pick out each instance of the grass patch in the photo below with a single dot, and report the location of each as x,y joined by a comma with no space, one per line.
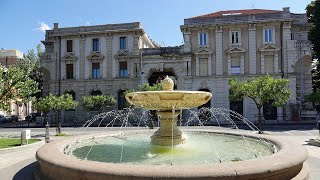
13,142
61,134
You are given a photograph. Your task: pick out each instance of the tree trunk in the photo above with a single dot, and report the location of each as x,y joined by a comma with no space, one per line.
58,124
260,121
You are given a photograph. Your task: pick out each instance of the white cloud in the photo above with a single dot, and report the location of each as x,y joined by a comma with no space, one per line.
43,27
88,23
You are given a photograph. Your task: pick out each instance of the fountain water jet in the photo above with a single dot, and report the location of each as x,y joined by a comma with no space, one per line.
166,102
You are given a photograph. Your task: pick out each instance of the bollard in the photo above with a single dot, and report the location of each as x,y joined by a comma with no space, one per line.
47,139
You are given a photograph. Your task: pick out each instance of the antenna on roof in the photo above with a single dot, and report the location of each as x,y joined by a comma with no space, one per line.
252,7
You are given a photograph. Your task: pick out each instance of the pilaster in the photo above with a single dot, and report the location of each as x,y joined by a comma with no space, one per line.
219,50
262,64
276,62
242,63
197,65
229,63
252,49
209,65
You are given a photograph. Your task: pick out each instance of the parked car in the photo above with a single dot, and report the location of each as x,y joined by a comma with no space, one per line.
11,118
2,119
33,116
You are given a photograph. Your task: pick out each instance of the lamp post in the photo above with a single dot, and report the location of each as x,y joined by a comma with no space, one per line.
301,45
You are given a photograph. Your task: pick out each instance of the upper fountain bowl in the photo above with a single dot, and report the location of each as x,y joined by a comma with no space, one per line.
168,99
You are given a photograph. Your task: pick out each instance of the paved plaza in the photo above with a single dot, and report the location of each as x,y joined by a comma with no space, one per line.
19,163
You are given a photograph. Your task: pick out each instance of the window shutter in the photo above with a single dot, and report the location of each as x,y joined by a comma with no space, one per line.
268,61
203,65
235,65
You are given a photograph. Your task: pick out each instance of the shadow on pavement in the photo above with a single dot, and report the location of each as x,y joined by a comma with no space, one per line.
25,173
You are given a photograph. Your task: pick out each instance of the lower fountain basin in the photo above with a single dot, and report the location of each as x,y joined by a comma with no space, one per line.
287,163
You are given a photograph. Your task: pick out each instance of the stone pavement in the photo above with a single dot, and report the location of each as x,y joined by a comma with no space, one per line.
19,164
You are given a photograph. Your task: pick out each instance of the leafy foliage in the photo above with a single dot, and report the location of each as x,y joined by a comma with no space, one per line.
261,90
31,64
56,104
146,87
98,102
313,13
15,85
313,98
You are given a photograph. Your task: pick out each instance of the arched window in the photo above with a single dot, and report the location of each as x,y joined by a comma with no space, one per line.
73,94
270,111
96,93
121,100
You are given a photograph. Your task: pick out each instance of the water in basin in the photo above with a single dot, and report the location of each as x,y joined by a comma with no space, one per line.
201,148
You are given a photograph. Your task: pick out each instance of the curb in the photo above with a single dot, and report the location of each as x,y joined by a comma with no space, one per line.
14,149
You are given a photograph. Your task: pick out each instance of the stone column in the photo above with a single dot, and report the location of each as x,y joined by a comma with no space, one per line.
242,63
209,65
252,49
229,63
286,36
109,57
87,62
275,63
219,50
77,54
186,38
197,65
82,57
103,68
262,64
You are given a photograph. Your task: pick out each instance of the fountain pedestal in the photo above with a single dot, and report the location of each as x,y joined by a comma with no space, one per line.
168,134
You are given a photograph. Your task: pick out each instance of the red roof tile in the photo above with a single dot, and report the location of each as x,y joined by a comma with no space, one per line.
235,12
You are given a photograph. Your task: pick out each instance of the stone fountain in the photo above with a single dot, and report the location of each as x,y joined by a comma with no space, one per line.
55,163
168,103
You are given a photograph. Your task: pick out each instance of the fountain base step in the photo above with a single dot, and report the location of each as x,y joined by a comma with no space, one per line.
167,141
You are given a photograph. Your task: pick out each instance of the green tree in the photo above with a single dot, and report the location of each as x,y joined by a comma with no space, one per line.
15,85
97,102
261,90
313,13
56,104
31,64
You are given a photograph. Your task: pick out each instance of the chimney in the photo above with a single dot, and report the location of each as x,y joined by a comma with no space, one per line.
55,25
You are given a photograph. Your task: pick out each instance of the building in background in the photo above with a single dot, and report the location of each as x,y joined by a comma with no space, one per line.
108,59
9,56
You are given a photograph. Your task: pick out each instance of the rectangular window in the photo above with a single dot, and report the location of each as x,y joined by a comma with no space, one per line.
235,37
202,39
95,70
69,45
268,61
268,33
203,67
123,43
69,70
123,69
235,65
95,44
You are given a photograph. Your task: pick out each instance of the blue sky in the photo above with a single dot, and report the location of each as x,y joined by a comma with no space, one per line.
21,21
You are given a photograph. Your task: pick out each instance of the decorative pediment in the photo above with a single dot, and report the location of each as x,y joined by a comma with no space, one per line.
203,51
236,49
269,48
95,56
69,57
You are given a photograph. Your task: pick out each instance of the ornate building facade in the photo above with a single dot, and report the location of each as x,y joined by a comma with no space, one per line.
108,59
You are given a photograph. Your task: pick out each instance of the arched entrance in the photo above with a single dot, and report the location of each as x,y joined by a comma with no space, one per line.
121,100
157,76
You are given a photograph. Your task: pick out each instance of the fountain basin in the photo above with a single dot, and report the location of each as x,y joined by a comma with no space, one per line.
168,100
287,163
